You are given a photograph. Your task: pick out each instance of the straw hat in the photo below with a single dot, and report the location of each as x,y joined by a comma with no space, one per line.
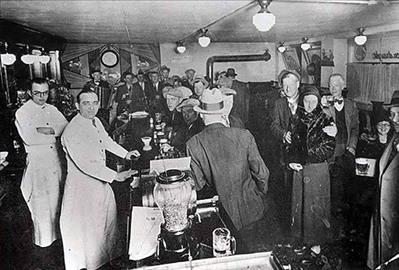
212,102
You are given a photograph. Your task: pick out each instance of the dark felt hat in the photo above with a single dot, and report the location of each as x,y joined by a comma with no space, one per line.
140,72
163,67
231,72
394,100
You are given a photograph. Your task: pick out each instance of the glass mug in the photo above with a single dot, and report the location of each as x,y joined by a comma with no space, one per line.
224,244
362,165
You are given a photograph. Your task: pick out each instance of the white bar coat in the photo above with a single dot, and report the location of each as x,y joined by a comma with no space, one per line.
88,214
42,178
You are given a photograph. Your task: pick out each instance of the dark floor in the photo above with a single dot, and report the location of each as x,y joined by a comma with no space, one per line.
18,253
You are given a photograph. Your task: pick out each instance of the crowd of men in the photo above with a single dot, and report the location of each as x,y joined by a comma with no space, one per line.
322,131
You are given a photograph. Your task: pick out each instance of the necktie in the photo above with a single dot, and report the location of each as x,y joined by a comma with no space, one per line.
338,101
93,121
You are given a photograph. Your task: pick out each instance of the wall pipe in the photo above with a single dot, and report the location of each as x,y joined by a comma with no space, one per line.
233,58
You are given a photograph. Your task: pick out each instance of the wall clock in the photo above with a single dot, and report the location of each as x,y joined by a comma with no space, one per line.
109,58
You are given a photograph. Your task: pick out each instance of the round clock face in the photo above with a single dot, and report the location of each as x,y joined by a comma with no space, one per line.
360,52
109,58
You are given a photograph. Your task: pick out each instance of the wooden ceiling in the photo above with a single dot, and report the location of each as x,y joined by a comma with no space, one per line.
169,21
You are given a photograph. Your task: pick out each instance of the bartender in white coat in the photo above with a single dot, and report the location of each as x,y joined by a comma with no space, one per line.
39,124
88,215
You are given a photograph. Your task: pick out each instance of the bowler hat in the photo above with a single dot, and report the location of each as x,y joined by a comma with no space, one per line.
231,72
211,102
394,100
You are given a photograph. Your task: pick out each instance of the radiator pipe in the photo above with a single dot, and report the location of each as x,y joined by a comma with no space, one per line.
233,58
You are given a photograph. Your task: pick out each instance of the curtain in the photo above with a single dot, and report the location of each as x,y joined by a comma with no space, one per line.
372,82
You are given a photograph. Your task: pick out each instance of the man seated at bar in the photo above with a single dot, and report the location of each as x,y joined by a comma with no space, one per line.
226,161
194,123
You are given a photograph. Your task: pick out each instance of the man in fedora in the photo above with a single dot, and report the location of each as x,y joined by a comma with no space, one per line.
384,232
226,161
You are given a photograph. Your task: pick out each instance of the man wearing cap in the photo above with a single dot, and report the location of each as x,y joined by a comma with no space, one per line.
384,232
200,84
226,161
103,90
194,123
174,96
188,81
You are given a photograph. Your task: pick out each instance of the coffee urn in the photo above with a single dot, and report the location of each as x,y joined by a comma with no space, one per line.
174,194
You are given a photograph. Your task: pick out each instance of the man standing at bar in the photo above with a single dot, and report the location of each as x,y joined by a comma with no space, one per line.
342,170
226,161
88,215
39,124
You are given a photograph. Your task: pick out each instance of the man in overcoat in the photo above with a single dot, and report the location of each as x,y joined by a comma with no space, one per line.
227,161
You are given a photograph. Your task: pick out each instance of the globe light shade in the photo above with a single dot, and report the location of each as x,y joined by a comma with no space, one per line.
181,48
8,59
305,46
281,48
204,41
264,21
360,39
44,59
28,59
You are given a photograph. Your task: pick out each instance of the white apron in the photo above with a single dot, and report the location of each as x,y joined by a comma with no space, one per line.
42,179
88,216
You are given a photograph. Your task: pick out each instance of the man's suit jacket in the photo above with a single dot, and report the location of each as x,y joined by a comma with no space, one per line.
227,160
351,121
388,234
281,118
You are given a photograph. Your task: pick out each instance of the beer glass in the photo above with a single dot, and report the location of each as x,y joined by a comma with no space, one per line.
224,244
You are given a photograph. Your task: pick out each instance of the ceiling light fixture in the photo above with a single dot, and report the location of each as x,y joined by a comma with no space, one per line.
7,58
204,40
281,48
360,39
180,48
305,45
44,59
264,20
28,58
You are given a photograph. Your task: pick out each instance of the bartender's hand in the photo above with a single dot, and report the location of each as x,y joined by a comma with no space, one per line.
45,130
295,166
134,154
122,176
331,130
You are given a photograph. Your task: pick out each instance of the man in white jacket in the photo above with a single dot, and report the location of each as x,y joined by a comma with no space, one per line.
39,124
88,215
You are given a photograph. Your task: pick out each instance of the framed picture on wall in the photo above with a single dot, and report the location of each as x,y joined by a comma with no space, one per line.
291,60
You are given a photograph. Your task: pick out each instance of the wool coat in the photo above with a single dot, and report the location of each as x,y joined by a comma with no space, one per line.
227,159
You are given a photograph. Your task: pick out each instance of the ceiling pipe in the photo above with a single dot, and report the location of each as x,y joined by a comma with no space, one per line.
233,58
